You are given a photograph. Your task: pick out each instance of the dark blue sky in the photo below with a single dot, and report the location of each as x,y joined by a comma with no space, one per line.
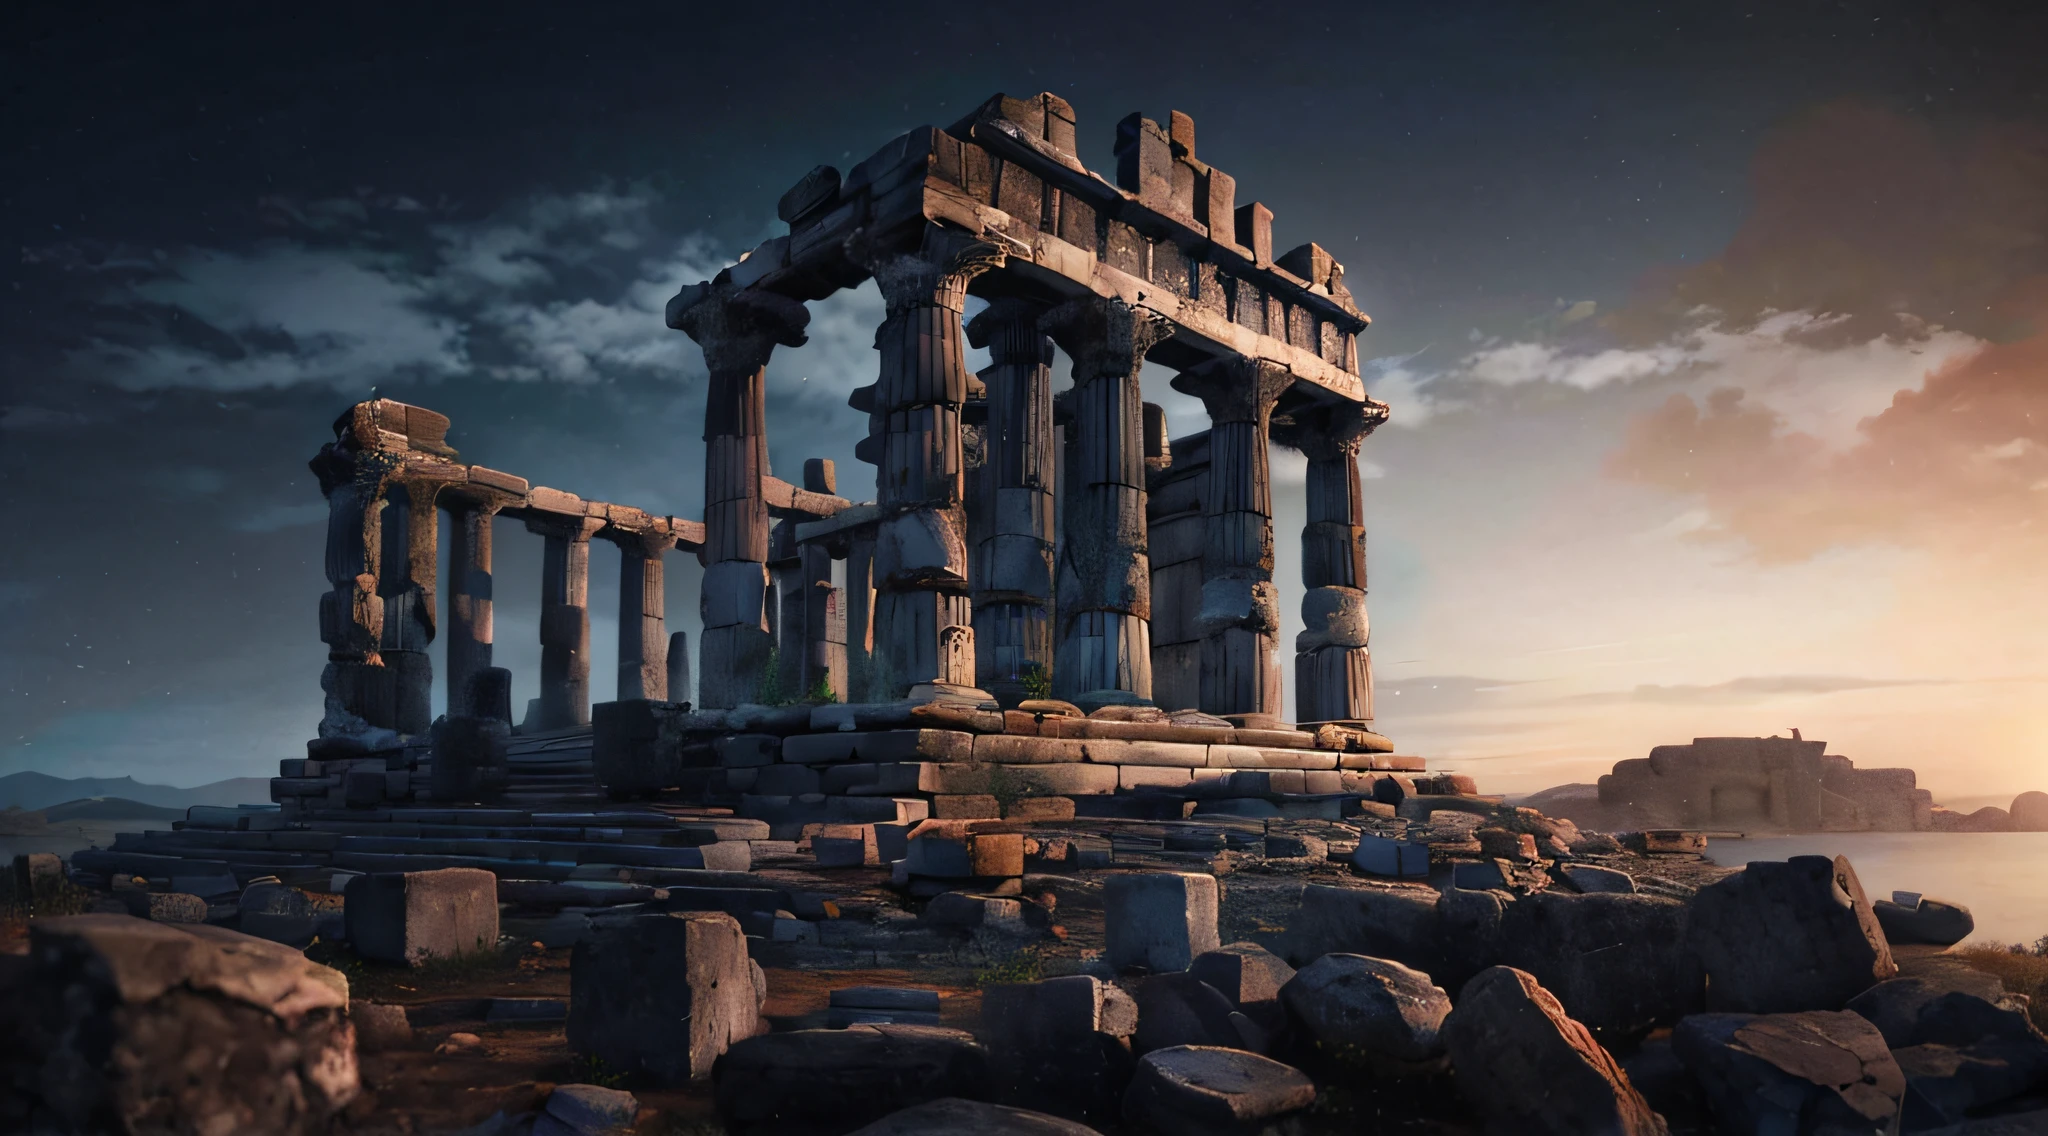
234,220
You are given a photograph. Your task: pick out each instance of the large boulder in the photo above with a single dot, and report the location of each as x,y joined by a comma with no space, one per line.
1527,1067
1180,1009
1202,1091
1782,937
414,917
1616,960
1961,1052
831,1081
1062,1044
1158,921
587,1110
1818,1071
1391,922
950,1116
1246,973
663,994
1909,918
123,1025
1369,1009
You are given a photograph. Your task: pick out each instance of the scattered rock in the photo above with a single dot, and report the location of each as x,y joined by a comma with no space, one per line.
1616,961
1179,1009
1924,920
278,913
664,994
411,917
1961,1053
1781,937
1062,1044
592,1110
1591,879
821,1080
1376,1009
1527,1067
165,906
459,1043
1246,973
1200,1090
1391,922
950,1116
379,1026
1158,920
1814,1071
125,1025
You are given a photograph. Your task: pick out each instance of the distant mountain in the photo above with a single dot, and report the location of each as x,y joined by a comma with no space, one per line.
40,790
108,808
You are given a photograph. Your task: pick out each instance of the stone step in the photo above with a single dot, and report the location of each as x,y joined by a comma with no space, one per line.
724,855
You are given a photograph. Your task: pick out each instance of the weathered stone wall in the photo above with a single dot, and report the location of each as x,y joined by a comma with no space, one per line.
1770,783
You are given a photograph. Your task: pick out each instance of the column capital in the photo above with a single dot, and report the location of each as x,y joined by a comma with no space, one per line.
568,528
936,275
1236,388
646,542
737,328
1009,328
1332,430
1105,336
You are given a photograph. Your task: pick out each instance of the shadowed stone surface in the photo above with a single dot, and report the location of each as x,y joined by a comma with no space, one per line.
664,994
1375,1008
1781,937
1527,1067
1203,1090
1792,1072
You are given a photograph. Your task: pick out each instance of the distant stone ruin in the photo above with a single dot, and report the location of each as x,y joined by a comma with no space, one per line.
1785,784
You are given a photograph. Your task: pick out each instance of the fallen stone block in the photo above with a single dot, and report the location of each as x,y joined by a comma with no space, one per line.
1062,1044
1781,937
1158,920
379,1025
1386,857
1815,1071
1527,1067
1963,1051
634,748
128,1026
1924,920
1591,879
278,913
165,906
665,994
1375,1009
960,909
589,1110
1202,1090
413,917
953,853
1392,922
1617,961
1295,846
1246,973
951,1115
825,1080
1179,1009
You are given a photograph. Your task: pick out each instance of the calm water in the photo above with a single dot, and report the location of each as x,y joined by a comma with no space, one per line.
2002,877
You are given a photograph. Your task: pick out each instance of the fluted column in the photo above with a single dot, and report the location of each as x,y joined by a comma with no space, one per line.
1014,566
1333,661
411,535
1105,600
469,598
1240,612
923,621
738,331
564,620
643,611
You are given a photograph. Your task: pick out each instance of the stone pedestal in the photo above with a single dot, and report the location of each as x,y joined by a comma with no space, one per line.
1105,593
1013,588
643,605
1240,611
738,330
564,620
923,622
1332,663
469,598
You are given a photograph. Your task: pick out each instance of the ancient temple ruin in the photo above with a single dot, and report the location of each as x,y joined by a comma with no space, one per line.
1158,587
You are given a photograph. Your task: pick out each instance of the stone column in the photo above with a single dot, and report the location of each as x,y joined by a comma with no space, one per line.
1014,589
824,614
564,620
643,611
411,536
738,331
1240,612
469,598
1105,603
923,622
1332,662
357,686
861,677
679,667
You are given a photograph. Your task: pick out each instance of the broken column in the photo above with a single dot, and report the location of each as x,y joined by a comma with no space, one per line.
564,619
1240,613
1332,665
922,623
643,631
406,581
738,330
469,597
679,666
1014,589
824,613
1105,594
357,686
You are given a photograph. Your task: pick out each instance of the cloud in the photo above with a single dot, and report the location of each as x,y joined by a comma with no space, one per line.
1748,689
